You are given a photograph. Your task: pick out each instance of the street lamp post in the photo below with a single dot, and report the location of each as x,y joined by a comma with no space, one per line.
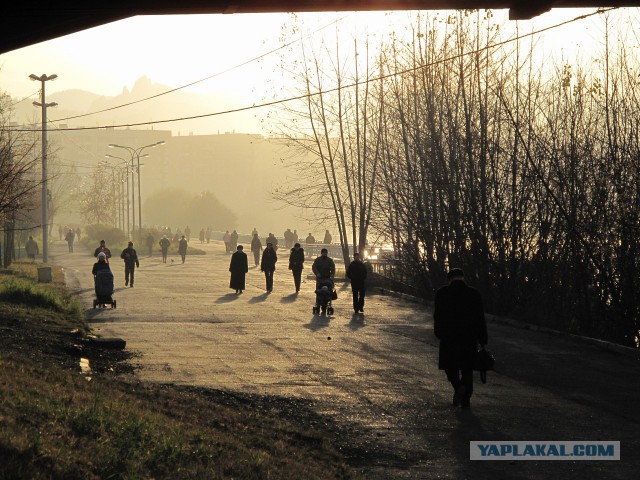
45,197
124,167
135,153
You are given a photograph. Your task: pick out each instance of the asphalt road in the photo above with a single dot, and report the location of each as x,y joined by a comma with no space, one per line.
374,376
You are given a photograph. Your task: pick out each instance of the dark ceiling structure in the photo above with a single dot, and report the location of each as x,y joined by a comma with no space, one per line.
27,22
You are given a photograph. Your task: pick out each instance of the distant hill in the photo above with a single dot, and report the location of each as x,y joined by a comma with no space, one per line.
137,106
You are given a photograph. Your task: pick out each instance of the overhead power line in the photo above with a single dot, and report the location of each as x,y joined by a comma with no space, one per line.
354,84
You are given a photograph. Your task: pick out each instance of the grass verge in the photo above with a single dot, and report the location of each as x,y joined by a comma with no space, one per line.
56,423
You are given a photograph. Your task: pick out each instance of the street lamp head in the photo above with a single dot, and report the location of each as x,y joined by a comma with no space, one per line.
43,77
161,142
113,145
34,77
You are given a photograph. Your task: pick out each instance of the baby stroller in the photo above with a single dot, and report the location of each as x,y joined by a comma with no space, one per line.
104,289
325,293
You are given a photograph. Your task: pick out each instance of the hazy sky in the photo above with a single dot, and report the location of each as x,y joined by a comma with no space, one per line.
178,50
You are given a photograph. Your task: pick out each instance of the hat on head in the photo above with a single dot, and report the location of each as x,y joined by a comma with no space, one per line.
102,255
102,241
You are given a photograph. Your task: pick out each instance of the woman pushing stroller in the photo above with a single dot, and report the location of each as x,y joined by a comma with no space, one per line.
324,269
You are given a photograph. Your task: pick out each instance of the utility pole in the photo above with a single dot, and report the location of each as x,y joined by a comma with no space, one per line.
45,194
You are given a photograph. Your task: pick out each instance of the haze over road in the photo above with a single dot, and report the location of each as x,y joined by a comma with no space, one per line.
376,376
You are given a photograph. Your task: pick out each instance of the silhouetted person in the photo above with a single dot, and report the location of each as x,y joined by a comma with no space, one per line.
150,241
288,238
226,238
164,247
31,247
207,234
357,273
254,231
187,233
323,267
130,257
310,239
182,248
238,267
273,241
459,323
201,236
78,231
60,231
327,237
70,237
233,242
296,264
256,248
104,249
268,265
294,237
101,264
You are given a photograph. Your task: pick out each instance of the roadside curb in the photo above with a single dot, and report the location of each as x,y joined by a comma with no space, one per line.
603,344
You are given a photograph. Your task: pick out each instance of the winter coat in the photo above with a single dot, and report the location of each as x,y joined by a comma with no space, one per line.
100,266
269,259
164,244
459,323
296,259
256,245
105,250
31,247
324,266
130,257
357,273
238,267
182,246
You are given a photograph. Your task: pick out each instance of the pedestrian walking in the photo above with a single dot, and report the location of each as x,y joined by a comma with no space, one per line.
103,249
238,267
201,235
268,265
70,237
327,237
150,241
130,257
296,264
459,324
288,238
272,240
357,273
323,267
182,248
207,234
256,248
226,238
233,241
187,233
294,237
164,247
31,247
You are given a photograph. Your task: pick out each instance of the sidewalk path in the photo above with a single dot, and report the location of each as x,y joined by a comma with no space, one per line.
375,375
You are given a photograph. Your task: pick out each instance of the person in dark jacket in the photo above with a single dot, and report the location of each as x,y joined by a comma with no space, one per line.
323,267
256,248
296,264
273,241
150,241
101,264
268,265
70,237
233,242
164,247
31,248
104,249
459,323
182,248
357,273
130,257
238,267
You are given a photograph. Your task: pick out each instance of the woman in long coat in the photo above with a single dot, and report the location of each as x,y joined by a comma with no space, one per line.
239,267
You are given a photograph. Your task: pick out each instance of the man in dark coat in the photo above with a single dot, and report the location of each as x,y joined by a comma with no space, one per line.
459,323
182,248
164,247
296,264
357,273
256,248
239,267
130,257
323,267
32,248
268,265
104,249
